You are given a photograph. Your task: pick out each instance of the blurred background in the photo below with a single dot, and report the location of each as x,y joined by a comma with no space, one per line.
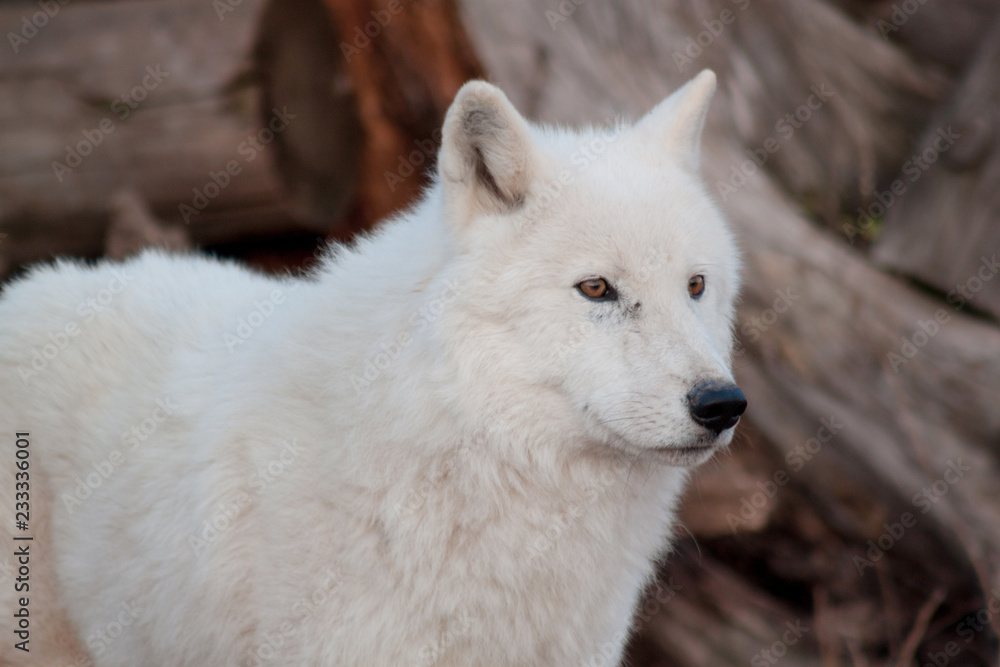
855,145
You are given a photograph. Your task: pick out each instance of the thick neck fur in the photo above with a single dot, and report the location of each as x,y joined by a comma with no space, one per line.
477,389
518,501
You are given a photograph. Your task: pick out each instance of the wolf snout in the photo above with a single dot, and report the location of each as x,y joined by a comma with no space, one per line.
716,405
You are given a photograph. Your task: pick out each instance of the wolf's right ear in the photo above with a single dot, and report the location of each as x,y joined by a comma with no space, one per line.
486,154
677,122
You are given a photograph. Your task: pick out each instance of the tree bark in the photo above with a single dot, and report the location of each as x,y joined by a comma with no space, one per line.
407,60
158,97
944,230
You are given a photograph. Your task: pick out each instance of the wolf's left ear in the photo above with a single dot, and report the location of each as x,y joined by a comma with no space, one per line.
678,121
486,151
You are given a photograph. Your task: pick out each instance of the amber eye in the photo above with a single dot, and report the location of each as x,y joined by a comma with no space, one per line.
696,286
597,289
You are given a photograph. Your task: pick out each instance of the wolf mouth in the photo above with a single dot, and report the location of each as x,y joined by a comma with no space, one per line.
687,451
686,456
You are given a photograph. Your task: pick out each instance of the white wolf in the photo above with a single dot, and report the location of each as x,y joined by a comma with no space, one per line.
459,442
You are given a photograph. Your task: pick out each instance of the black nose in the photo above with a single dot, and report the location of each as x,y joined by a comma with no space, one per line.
716,405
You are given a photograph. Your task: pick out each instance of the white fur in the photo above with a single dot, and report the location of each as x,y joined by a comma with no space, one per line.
495,491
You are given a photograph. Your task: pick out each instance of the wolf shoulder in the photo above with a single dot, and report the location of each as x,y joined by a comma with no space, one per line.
152,292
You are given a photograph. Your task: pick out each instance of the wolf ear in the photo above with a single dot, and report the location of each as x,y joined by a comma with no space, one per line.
486,152
678,121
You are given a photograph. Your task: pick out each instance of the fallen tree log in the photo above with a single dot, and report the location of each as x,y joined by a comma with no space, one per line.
238,119
407,60
941,224
944,33
164,99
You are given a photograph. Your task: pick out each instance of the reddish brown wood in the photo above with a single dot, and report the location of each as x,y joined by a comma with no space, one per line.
407,60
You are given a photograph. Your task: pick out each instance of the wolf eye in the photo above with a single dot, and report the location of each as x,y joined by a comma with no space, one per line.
597,289
696,286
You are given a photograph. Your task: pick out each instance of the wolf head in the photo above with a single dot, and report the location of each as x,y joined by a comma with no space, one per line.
596,272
